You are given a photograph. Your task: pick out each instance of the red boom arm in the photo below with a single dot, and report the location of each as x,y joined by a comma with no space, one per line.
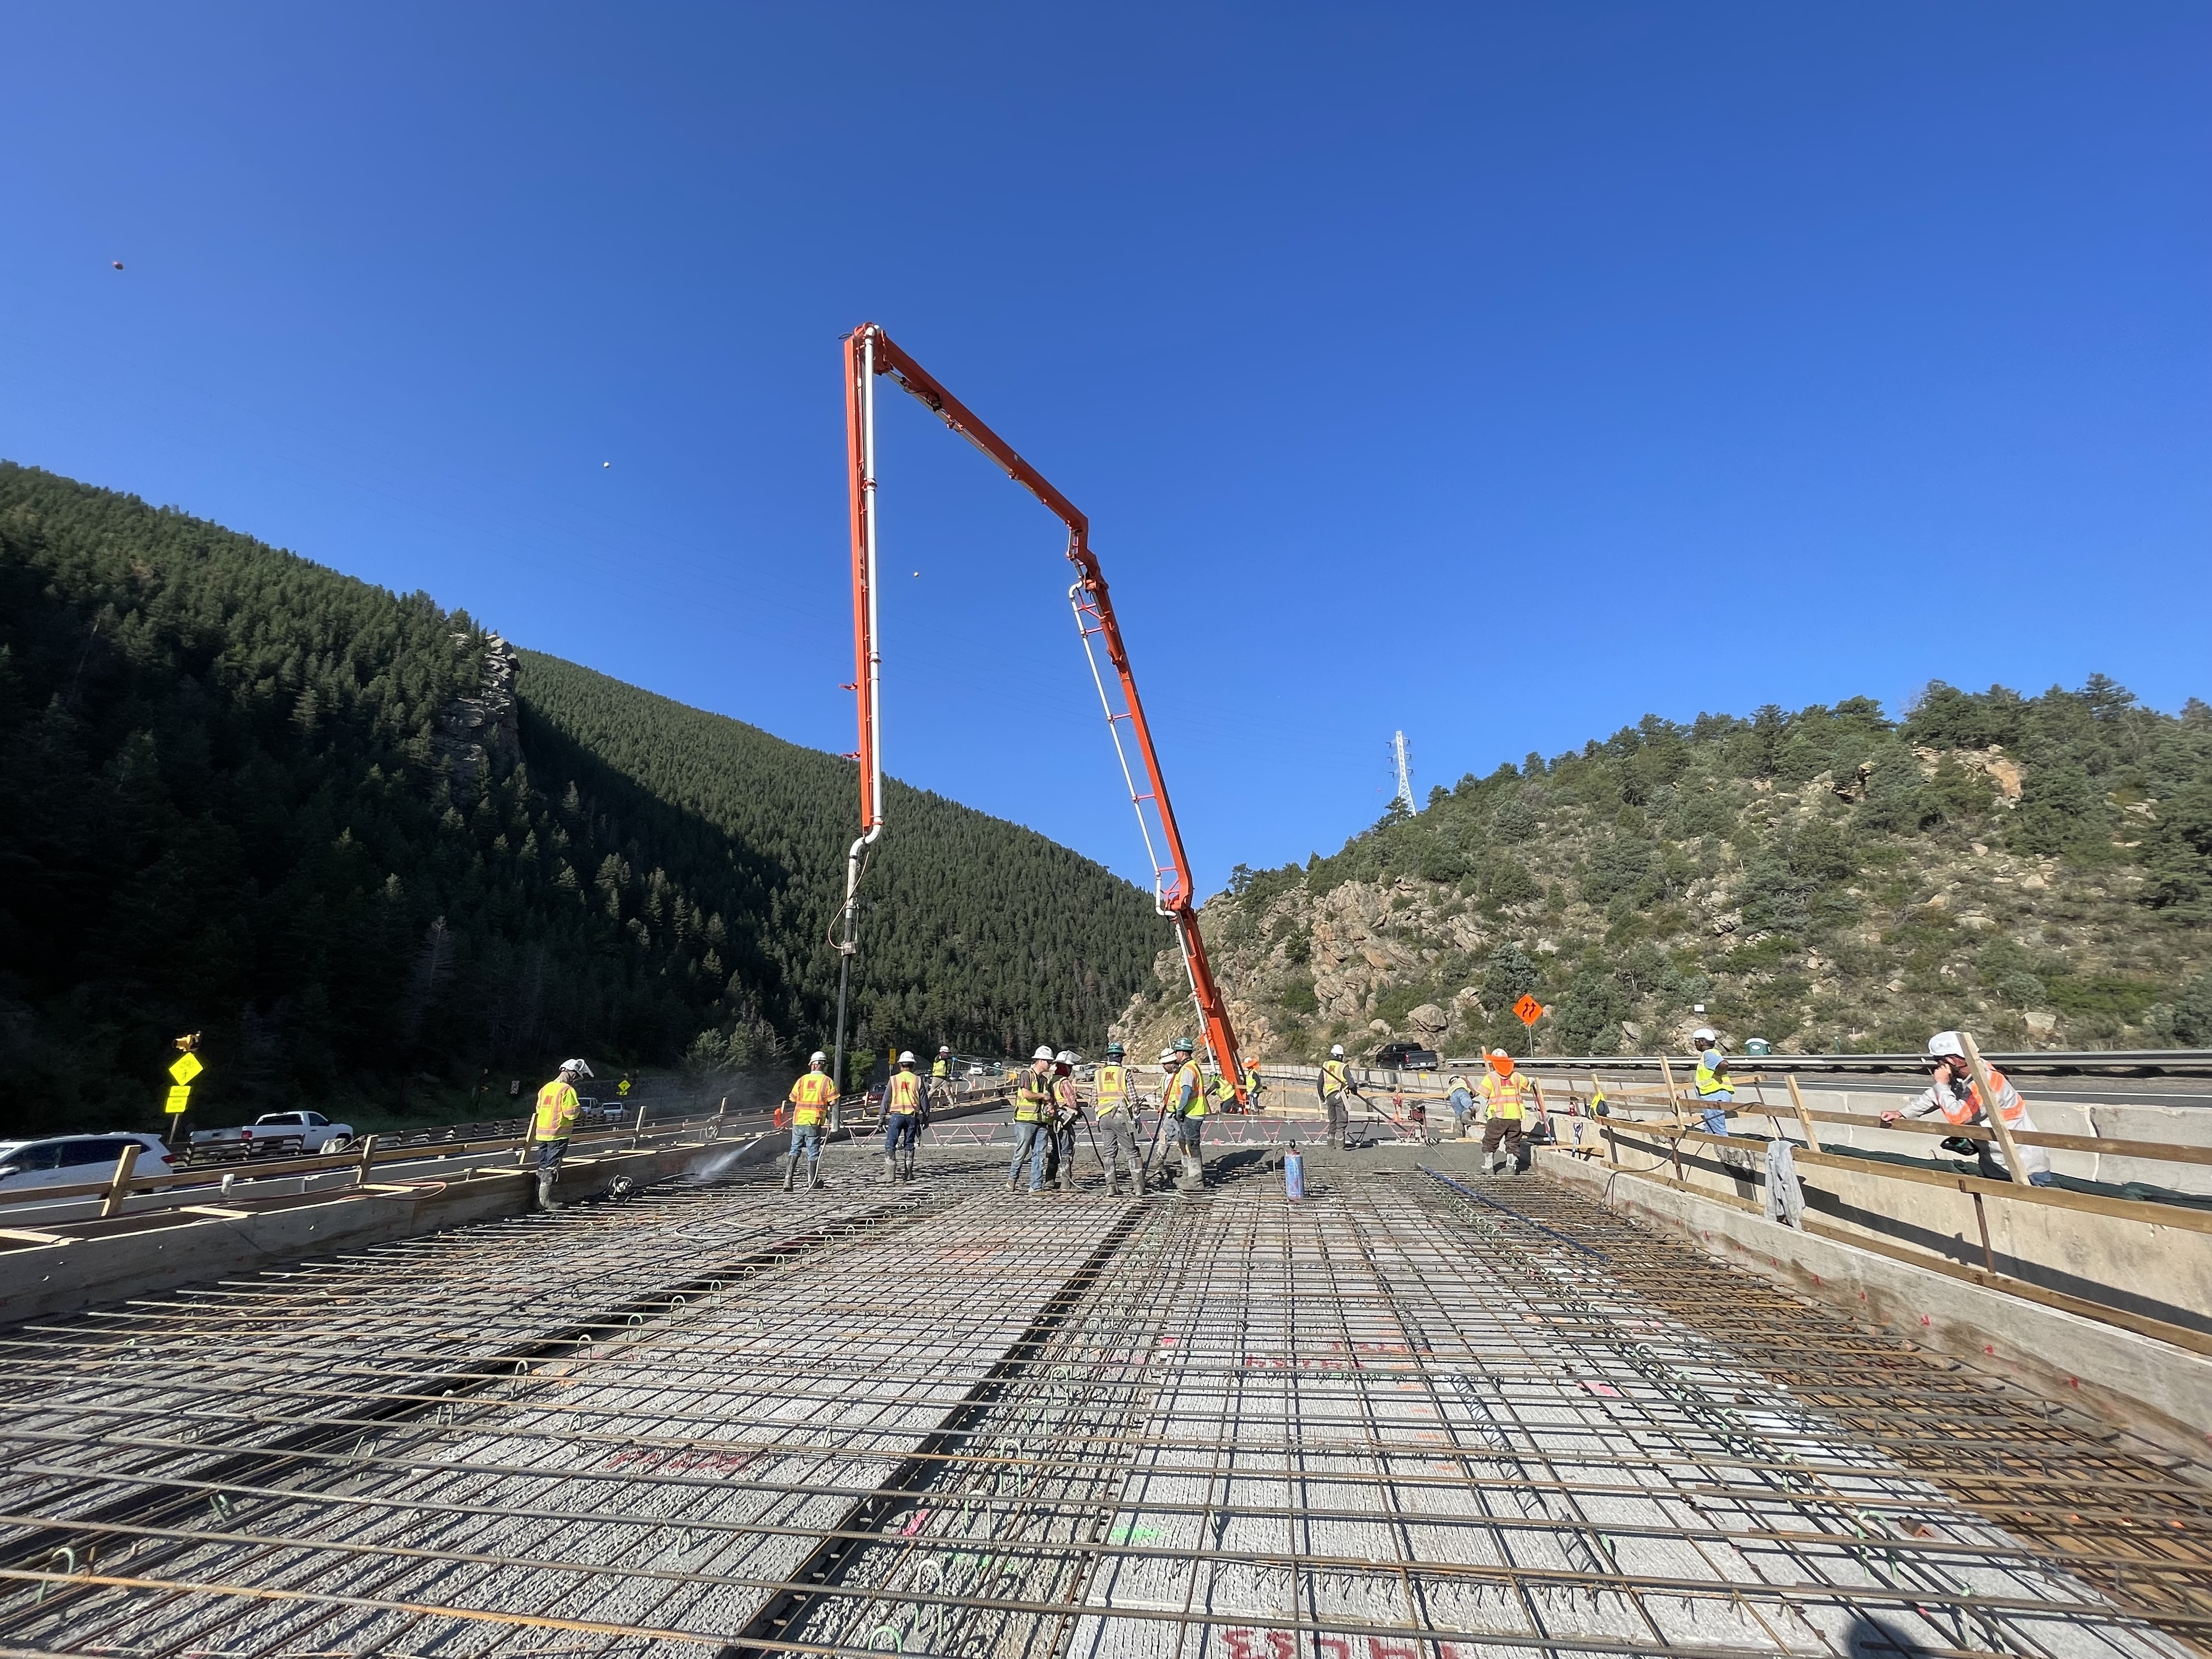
867,350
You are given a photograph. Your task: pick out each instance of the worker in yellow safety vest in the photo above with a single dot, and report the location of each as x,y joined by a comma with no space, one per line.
1333,1083
940,1079
811,1099
1117,1121
903,1105
550,1125
1716,1089
1034,1098
1504,1109
1186,1104
1252,1086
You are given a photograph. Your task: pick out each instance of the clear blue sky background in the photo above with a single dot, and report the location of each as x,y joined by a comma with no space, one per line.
1498,373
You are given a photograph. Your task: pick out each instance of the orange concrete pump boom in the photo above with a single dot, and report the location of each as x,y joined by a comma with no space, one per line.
869,352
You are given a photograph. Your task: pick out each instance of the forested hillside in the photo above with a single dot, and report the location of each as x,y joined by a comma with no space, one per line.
356,839
2038,869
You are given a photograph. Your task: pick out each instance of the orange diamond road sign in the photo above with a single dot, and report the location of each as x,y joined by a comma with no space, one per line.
1528,1009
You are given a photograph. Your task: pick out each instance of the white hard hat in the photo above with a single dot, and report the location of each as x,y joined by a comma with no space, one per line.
1065,1057
1704,1034
1044,1052
577,1067
1946,1043
1499,1053
906,1057
943,1049
1336,1051
817,1058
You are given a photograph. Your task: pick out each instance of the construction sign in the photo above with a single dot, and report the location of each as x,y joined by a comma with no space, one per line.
180,1098
1529,1011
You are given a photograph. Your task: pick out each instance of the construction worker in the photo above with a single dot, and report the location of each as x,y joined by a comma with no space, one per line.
1186,1104
1503,1110
810,1100
901,1119
1067,1118
940,1079
1954,1095
1252,1085
1462,1102
1117,1121
1221,1091
551,1125
1333,1084
1715,1093
1033,1100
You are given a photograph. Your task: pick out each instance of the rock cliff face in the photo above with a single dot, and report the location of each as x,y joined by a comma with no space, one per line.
480,733
1826,880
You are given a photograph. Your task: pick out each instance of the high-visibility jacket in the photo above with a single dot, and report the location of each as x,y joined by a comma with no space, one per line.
555,1117
1501,1096
1033,1101
809,1097
1710,1081
1186,1090
903,1094
1965,1108
1335,1077
1251,1083
1223,1091
1111,1086
940,1068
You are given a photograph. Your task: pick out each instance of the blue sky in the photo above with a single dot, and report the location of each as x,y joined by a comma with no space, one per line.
1498,374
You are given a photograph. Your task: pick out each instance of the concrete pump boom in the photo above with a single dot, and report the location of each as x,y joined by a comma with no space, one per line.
869,352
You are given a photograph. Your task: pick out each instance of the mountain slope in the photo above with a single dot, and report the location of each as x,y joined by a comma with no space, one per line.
2037,869
357,839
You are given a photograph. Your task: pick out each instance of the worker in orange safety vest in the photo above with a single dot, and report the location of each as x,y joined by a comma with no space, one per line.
811,1099
903,1105
1953,1095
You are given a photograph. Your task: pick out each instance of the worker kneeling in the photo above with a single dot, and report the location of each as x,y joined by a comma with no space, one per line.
902,1120
1504,1114
551,1125
1186,1104
810,1098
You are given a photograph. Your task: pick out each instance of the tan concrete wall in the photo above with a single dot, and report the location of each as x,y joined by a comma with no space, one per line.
2134,1382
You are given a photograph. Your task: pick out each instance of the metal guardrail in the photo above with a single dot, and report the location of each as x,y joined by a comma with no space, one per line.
2080,1062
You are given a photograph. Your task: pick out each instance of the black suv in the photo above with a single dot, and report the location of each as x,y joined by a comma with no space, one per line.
1407,1057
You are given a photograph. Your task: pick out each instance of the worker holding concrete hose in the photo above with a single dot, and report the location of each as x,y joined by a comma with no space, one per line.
901,1119
550,1125
1333,1084
1117,1121
811,1099
1505,1113
1033,1098
1186,1104
1067,1117
1954,1096
1716,1089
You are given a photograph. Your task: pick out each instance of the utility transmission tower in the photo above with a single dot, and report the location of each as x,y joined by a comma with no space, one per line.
1401,758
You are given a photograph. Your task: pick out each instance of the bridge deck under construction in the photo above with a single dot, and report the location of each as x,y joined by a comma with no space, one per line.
1406,1419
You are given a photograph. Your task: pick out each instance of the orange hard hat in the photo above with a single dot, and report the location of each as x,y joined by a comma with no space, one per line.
1501,1062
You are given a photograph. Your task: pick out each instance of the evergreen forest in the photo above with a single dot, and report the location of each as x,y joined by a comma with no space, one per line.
362,845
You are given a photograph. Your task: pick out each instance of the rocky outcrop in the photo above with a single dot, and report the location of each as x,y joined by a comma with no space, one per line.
479,737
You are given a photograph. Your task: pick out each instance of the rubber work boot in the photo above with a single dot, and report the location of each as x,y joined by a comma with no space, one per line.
909,1164
1141,1180
813,1175
891,1170
545,1190
790,1169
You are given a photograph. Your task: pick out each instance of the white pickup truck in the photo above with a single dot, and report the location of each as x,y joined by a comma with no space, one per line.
274,1134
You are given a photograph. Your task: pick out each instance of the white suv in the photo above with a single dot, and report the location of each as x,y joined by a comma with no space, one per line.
69,1160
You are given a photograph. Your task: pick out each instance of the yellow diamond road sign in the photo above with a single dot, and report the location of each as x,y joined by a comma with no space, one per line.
187,1067
180,1097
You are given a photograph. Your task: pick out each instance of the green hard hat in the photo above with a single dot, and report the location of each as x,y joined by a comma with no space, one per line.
1185,1046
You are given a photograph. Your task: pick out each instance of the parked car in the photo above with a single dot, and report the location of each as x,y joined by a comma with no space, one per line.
1407,1057
275,1134
66,1160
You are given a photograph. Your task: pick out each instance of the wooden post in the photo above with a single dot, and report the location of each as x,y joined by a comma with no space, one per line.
1989,1109
119,1183
368,1157
1543,1115
1804,1118
1673,1095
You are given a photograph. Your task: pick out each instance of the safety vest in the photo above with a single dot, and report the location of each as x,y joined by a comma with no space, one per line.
556,1112
1223,1091
1335,1076
1188,1083
809,1096
1111,1085
1034,1101
1962,1112
1501,1096
939,1068
904,1094
1251,1081
1710,1082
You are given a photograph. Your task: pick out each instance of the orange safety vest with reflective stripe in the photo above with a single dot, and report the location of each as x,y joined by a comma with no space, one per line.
555,1116
1963,1112
904,1094
1501,1096
1110,1087
810,1096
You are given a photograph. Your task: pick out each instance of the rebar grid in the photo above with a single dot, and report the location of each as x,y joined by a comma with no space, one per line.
1395,1421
